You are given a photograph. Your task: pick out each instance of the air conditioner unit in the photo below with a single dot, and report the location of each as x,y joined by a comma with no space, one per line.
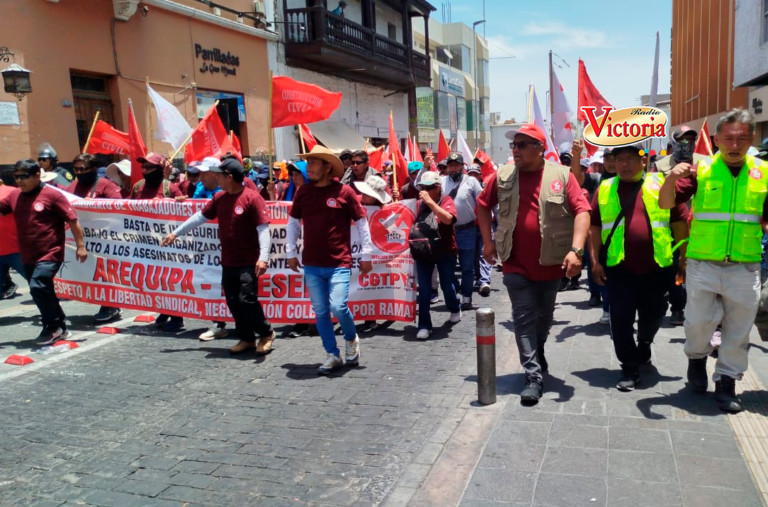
258,7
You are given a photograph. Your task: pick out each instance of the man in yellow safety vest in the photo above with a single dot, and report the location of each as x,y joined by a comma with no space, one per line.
631,252
724,252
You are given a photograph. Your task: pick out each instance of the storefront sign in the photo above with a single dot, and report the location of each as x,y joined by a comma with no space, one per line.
427,135
425,107
9,113
451,82
215,61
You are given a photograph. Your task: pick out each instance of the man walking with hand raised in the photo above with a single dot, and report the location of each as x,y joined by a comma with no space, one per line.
327,208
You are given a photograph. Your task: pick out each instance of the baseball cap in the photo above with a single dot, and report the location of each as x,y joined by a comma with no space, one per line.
345,154
208,164
530,130
229,166
584,162
194,167
455,157
630,147
474,168
677,134
429,178
415,166
153,159
565,148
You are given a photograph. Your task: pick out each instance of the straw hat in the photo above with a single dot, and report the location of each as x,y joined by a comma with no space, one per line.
47,176
326,155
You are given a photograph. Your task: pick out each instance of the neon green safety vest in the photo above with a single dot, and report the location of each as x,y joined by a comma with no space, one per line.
610,207
727,211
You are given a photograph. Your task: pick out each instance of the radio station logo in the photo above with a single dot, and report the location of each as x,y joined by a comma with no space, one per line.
621,127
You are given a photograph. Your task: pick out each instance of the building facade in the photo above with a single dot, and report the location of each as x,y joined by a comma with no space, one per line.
702,62
95,55
750,66
458,99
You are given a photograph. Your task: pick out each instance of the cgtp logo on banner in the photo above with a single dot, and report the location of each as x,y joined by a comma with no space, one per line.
620,127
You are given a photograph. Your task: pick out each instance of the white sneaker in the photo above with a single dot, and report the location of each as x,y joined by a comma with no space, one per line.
605,318
331,363
214,333
423,334
352,352
456,317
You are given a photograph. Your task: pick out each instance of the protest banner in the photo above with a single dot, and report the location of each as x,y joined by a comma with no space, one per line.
127,267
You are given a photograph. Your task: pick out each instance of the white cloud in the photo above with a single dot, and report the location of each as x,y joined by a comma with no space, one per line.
565,36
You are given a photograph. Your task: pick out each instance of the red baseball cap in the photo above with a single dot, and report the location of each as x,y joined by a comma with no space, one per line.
530,130
153,159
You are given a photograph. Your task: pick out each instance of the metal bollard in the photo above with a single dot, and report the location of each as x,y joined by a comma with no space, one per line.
486,356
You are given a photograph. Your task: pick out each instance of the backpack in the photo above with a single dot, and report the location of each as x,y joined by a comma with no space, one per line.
424,239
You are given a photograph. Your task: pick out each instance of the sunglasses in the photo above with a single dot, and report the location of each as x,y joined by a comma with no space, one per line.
521,145
80,170
357,162
43,159
21,177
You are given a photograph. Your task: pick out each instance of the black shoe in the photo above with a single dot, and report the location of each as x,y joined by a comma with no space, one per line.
628,381
299,330
644,352
51,334
595,300
714,354
174,325
697,374
563,284
532,392
725,395
543,362
106,314
162,319
677,318
574,284
368,326
9,291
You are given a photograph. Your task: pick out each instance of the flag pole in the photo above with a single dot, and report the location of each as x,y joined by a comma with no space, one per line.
394,159
93,126
269,125
188,138
551,100
301,139
149,115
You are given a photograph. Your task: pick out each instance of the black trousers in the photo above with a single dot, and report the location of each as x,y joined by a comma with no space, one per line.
40,278
241,292
641,295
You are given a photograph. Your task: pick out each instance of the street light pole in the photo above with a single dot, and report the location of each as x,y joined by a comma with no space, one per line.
477,91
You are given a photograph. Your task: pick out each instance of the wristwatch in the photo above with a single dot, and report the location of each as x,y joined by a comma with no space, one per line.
578,251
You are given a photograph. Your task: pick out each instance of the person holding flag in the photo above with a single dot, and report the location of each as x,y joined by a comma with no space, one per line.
325,208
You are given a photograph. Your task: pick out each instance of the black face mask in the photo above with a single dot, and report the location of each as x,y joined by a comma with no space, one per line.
682,151
154,178
88,178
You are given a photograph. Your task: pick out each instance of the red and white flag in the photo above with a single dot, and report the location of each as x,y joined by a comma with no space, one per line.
703,143
137,148
561,113
443,150
107,140
589,96
463,148
538,119
294,102
306,135
210,139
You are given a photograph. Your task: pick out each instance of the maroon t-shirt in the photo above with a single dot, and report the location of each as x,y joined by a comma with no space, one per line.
40,218
186,188
327,213
248,183
526,246
638,242
447,231
239,215
103,189
157,192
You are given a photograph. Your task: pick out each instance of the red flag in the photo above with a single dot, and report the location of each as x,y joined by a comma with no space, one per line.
137,148
210,139
107,139
416,153
309,140
236,144
589,96
376,158
401,166
294,102
443,150
703,143
486,167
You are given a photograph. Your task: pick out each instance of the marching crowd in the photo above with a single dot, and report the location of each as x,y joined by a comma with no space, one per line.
641,228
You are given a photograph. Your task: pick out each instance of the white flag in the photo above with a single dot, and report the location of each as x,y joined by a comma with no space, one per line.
461,147
561,113
407,154
538,119
655,78
171,125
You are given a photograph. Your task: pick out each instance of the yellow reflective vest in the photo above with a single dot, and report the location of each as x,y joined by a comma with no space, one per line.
727,211
610,207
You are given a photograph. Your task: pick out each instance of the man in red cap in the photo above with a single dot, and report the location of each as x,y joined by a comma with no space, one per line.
543,222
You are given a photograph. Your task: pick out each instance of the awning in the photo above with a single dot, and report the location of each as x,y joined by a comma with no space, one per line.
337,135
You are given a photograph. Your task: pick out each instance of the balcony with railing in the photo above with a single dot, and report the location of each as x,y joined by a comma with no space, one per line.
319,40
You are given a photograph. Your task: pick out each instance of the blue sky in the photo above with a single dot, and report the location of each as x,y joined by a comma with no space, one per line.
616,40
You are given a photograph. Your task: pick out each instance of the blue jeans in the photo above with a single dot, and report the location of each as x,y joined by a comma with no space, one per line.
6,263
482,268
445,266
465,239
593,286
328,291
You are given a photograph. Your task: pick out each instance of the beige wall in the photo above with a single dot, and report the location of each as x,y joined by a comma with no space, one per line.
52,39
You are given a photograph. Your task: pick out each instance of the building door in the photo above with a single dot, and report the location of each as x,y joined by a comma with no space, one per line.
90,95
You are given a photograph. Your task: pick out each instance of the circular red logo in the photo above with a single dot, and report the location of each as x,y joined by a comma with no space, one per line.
390,228
756,174
39,206
239,210
556,186
331,203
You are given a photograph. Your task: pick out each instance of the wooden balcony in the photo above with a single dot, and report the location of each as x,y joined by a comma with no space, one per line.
318,40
